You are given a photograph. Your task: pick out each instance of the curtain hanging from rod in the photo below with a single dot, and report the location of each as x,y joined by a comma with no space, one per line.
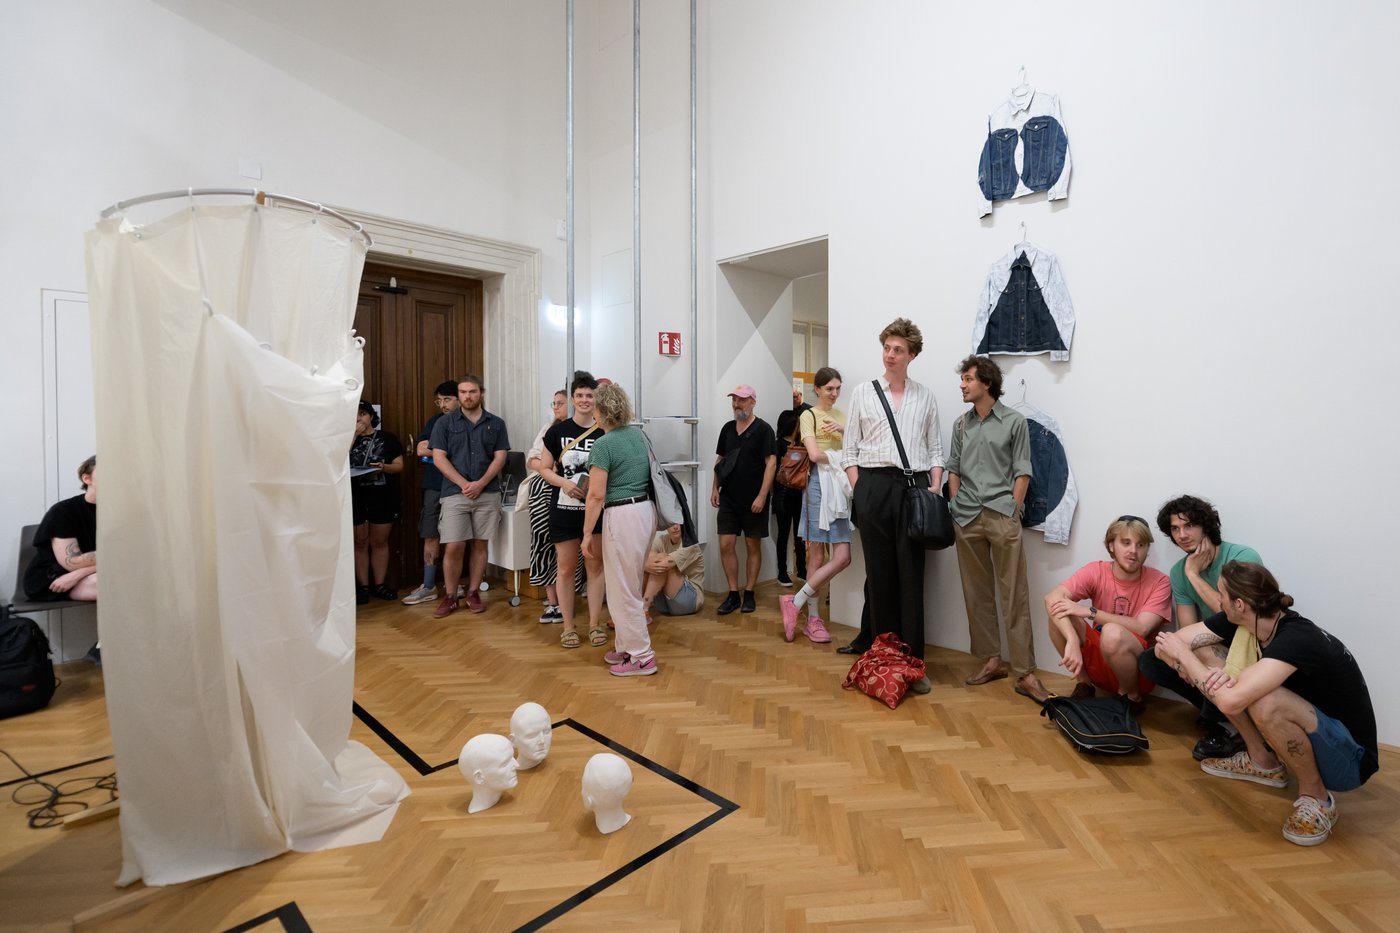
227,381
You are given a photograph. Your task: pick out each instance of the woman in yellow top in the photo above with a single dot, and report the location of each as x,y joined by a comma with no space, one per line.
826,507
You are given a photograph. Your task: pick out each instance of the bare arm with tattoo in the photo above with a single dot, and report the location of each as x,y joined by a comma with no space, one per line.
71,556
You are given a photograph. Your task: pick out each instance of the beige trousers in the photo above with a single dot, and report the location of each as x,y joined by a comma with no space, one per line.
992,564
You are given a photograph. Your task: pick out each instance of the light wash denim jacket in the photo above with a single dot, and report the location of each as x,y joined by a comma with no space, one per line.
1053,495
1024,307
1027,149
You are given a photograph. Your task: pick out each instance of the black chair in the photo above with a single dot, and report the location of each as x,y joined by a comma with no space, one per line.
19,602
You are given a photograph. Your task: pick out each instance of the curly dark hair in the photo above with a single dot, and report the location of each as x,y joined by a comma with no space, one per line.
1197,511
583,379
987,371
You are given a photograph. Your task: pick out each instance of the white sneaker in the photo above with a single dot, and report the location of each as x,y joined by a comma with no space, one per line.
424,594
551,614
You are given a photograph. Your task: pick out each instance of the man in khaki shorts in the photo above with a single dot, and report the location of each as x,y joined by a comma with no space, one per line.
469,449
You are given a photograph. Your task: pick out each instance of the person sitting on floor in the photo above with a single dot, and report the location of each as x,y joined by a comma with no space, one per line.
1285,682
1099,643
675,584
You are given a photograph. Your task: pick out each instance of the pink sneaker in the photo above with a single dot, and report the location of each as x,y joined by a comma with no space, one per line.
474,602
789,612
615,657
816,630
632,668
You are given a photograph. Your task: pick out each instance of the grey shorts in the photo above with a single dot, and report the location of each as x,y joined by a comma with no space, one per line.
685,601
466,519
428,518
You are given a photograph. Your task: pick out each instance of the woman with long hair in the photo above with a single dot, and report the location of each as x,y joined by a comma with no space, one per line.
544,567
825,510
618,476
376,460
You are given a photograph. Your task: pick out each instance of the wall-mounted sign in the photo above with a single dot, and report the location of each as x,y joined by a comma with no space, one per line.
668,344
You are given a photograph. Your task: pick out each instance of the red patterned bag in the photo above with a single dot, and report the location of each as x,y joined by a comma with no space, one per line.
885,671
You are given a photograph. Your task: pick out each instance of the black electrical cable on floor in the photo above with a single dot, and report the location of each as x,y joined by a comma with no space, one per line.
52,806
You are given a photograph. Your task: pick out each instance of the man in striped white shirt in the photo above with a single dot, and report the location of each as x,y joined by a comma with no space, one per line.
894,566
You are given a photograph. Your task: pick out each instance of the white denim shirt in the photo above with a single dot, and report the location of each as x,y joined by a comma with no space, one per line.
1056,526
1021,105
1048,275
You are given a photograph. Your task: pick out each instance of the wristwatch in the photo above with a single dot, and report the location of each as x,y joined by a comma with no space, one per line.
1093,615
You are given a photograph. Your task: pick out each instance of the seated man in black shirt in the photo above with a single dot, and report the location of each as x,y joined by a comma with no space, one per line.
1285,682
65,566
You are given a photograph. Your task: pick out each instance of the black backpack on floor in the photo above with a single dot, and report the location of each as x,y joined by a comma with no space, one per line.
1096,724
26,671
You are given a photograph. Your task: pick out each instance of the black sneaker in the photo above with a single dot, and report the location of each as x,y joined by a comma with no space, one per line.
361,595
748,605
94,655
1217,743
382,591
784,579
731,602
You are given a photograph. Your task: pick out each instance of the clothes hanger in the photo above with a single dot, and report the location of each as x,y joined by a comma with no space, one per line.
1022,89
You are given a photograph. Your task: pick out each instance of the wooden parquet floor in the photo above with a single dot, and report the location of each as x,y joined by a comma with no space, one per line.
959,810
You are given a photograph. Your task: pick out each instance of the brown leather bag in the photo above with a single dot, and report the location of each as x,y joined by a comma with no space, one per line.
796,467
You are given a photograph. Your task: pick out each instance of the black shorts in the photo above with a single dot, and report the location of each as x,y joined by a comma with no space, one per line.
740,520
374,504
565,525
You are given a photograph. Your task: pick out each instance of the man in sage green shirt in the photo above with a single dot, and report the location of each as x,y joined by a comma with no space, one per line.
989,472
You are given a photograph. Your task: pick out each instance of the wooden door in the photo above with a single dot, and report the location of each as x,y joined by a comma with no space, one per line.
424,330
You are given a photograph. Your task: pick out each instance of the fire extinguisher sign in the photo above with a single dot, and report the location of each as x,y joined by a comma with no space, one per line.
668,343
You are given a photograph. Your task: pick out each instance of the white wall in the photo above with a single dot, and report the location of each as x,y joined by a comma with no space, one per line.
1226,243
431,112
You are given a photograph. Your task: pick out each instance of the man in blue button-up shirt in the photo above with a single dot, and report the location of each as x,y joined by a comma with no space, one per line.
469,449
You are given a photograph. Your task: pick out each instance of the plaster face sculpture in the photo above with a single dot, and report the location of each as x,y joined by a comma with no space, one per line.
606,781
531,734
488,764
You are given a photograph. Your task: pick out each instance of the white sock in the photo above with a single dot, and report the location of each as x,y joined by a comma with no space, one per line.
803,595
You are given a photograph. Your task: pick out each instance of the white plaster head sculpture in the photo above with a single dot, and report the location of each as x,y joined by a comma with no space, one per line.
531,734
606,781
488,764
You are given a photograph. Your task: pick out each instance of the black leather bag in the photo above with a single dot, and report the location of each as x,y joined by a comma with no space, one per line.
1096,724
927,520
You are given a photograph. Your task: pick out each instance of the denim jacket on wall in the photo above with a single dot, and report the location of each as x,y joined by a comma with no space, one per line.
1027,149
1024,307
1053,495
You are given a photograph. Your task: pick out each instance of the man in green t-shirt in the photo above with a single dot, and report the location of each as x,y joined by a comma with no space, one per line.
1194,526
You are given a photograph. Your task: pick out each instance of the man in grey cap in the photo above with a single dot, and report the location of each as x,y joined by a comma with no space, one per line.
744,468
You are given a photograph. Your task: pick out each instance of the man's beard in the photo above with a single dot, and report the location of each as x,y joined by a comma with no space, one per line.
741,415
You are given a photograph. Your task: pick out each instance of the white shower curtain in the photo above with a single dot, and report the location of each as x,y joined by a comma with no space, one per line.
226,381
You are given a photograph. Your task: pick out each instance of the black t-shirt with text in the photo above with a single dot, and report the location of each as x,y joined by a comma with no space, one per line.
573,463
1327,676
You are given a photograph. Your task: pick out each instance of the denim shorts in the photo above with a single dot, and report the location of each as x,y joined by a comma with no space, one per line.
811,528
1337,755
682,604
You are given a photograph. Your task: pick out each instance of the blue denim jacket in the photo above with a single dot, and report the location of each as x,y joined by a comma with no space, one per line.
1027,150
1053,495
1024,307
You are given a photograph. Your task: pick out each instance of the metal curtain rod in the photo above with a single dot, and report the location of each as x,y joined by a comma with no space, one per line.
262,197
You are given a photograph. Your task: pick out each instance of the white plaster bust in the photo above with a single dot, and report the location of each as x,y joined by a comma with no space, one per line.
488,763
531,734
606,781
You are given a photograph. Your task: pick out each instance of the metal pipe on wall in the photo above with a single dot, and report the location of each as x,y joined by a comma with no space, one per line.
569,188
694,281
637,205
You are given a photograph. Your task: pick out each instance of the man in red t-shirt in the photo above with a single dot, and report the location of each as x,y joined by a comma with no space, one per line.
1128,601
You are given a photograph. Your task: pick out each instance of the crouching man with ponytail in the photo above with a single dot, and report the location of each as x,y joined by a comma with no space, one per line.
1294,691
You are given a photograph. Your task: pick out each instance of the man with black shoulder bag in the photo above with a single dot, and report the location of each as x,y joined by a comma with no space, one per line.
894,564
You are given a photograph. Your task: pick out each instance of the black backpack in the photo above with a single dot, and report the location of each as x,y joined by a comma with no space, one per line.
26,672
1096,724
